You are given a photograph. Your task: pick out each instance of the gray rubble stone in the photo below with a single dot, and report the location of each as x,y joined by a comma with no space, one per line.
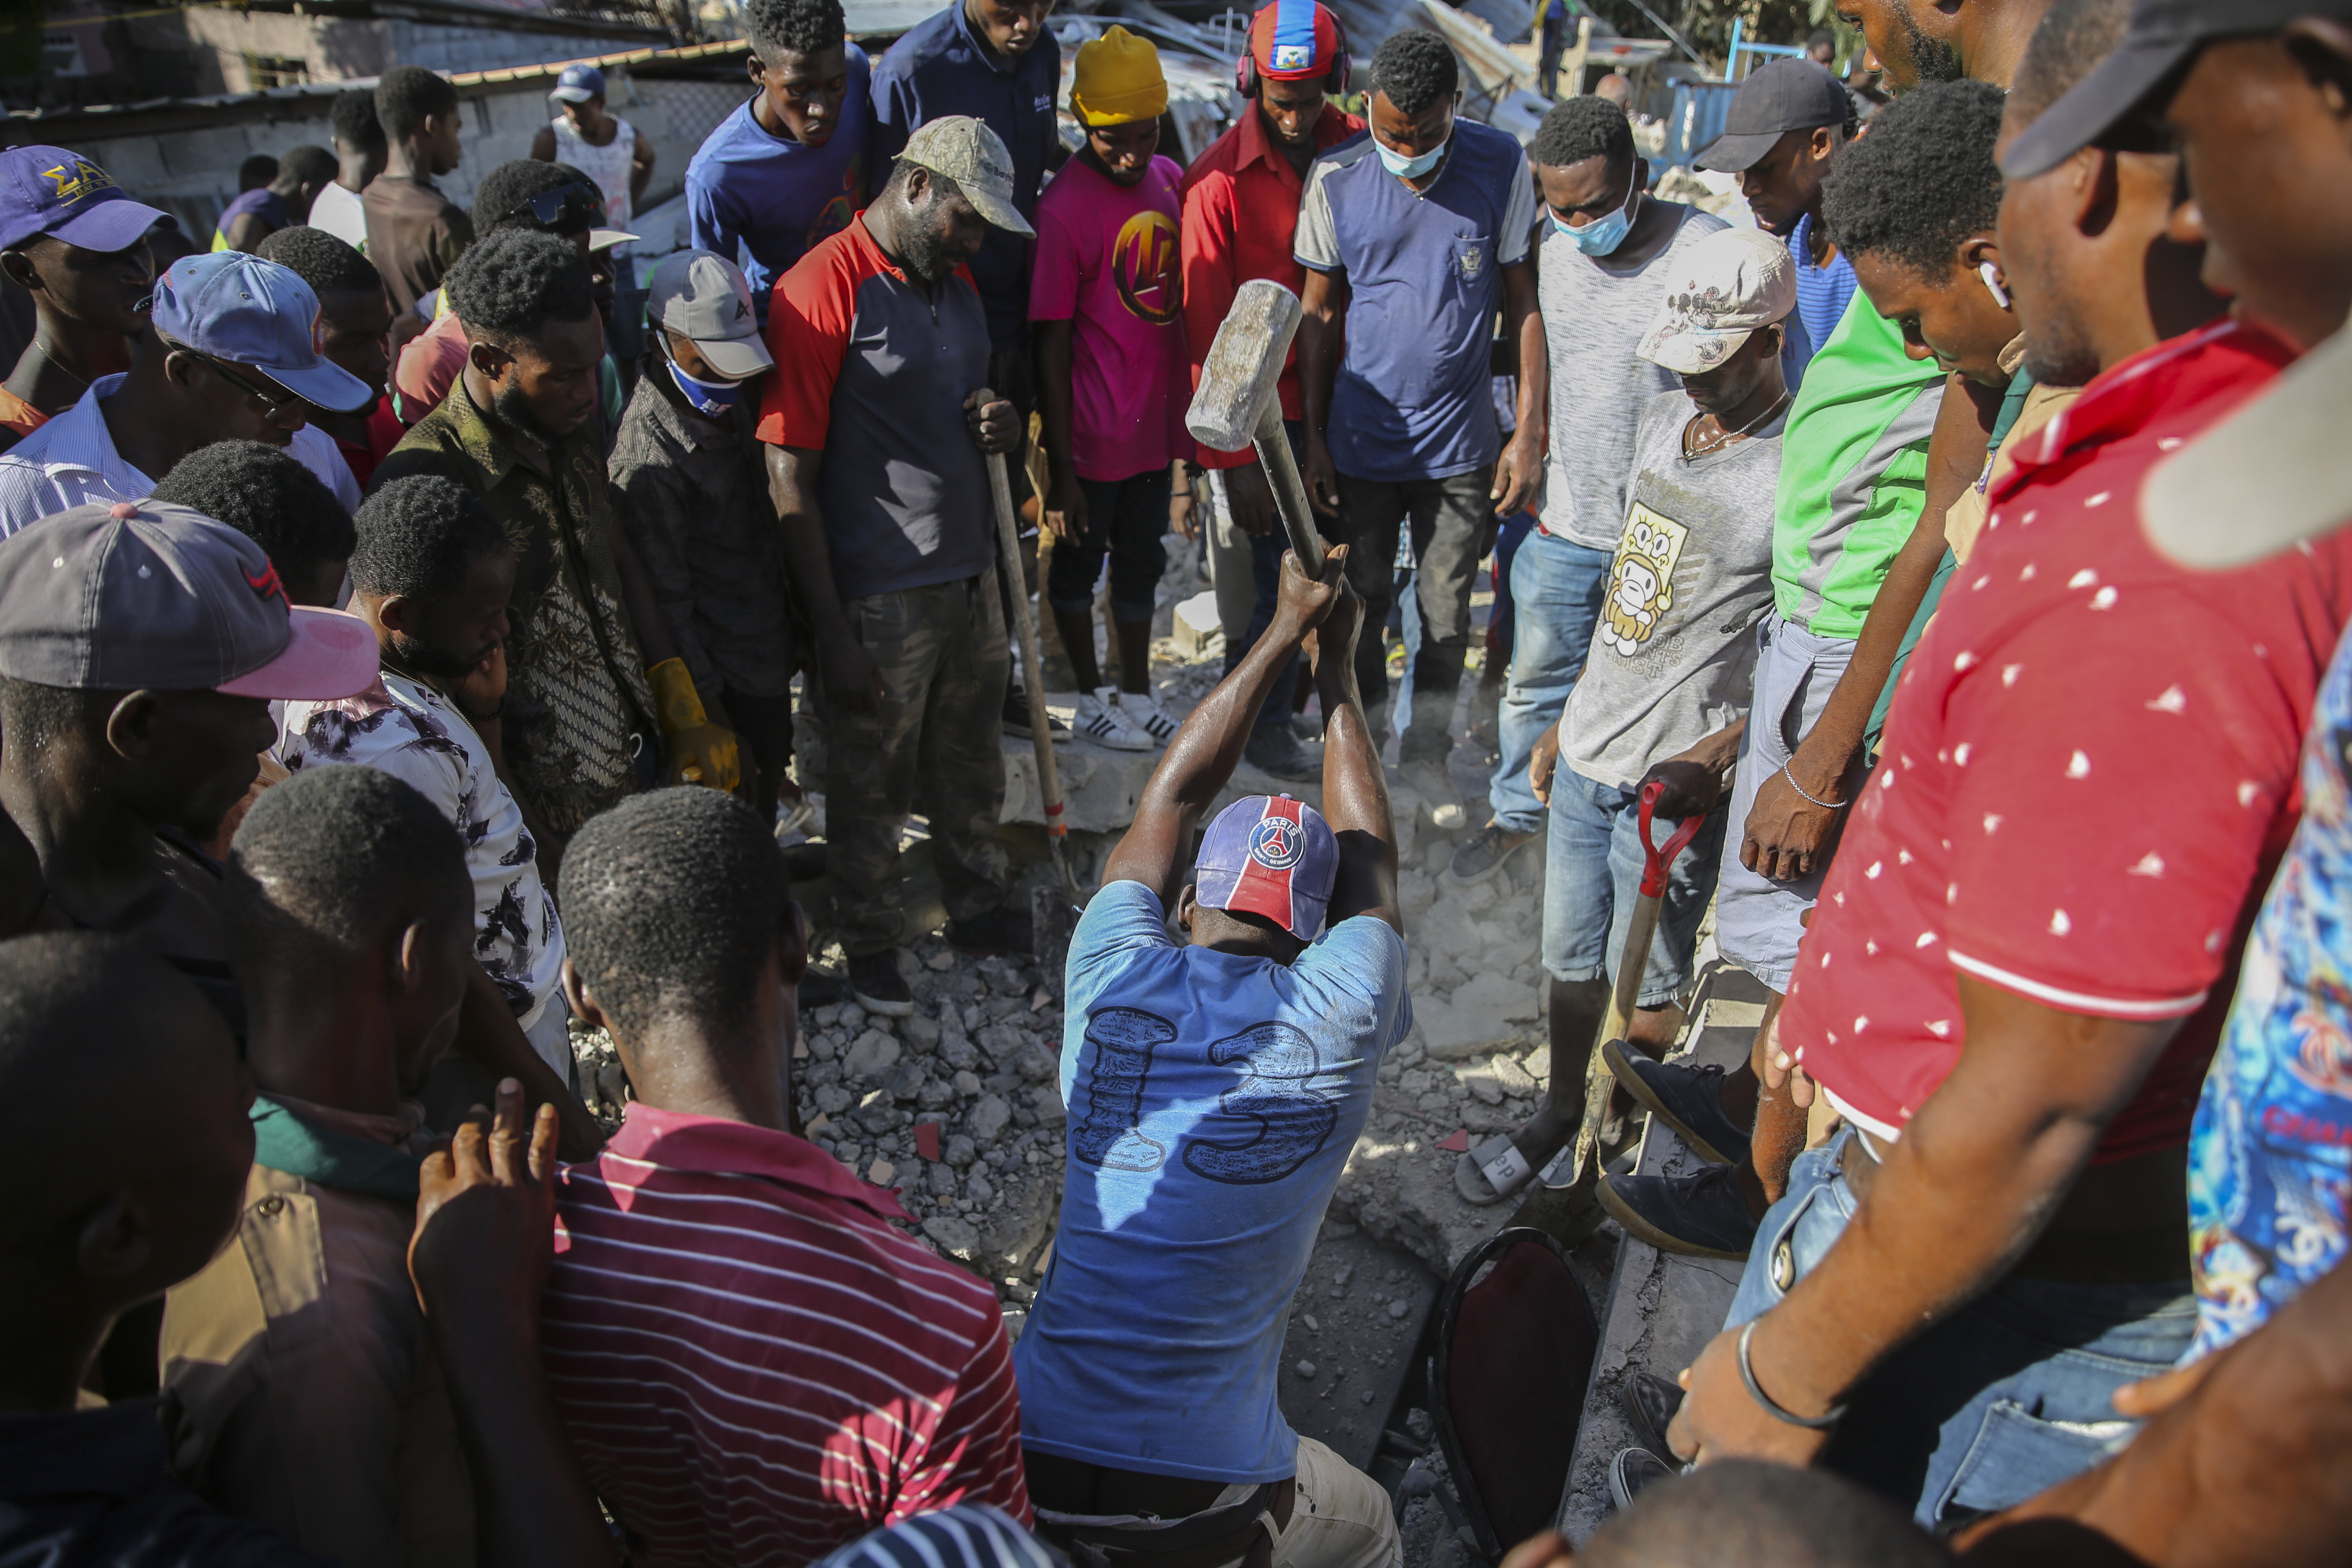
967,1085
1035,1063
1045,1099
957,1051
987,1118
921,1033
956,1237
960,1151
872,1054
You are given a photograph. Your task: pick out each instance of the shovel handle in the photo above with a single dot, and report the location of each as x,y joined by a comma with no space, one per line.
1656,857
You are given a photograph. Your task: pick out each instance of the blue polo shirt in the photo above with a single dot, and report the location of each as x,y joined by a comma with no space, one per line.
1822,294
1425,275
774,196
940,67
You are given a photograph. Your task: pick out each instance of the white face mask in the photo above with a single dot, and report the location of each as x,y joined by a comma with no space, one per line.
1602,236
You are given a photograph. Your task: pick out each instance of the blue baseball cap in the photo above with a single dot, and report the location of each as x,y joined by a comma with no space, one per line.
241,308
1270,855
578,84
53,191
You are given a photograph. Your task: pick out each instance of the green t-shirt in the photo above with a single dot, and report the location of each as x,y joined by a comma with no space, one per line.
1854,472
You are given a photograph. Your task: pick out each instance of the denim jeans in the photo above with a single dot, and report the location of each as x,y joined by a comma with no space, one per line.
1554,601
1592,874
2009,1395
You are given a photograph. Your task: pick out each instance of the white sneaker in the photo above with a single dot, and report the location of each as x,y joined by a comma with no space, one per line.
1100,720
1142,708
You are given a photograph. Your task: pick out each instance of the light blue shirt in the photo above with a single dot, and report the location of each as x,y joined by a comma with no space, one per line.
1213,1103
71,461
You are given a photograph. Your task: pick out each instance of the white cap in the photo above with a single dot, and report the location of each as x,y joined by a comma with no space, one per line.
1731,282
2275,472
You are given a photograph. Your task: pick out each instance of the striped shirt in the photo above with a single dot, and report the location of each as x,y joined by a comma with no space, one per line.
755,1368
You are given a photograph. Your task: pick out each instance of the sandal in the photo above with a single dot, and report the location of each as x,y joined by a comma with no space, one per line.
1492,1171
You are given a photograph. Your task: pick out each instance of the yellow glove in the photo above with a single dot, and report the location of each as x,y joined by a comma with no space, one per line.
700,753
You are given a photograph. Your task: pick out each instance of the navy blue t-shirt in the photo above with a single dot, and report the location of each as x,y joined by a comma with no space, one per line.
775,197
1425,275
939,67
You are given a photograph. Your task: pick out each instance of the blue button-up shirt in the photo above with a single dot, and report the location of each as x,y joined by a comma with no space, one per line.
942,67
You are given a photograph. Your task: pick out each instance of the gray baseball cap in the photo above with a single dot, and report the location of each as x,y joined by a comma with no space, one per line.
141,596
1776,98
702,297
967,152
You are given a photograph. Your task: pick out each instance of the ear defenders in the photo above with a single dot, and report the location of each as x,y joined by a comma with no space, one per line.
1245,77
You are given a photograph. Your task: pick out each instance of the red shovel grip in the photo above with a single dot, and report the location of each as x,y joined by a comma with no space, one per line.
1656,857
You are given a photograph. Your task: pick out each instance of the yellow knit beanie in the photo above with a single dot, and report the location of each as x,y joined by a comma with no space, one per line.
1117,80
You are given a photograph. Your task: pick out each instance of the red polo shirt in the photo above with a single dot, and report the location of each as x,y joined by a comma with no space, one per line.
1241,212
754,1366
2089,773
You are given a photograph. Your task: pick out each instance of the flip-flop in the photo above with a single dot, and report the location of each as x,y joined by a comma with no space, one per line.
1492,1172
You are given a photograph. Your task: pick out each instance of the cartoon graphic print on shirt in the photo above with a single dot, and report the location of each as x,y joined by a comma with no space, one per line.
1641,580
1144,260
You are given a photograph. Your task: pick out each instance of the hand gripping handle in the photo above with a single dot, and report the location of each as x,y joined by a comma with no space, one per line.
1656,857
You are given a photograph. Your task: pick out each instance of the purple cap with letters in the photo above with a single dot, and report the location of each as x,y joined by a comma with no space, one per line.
238,308
1270,855
53,191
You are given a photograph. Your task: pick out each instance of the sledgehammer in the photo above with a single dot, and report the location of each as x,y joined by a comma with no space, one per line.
1236,403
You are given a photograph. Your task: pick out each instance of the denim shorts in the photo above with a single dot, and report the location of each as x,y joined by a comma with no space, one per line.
2007,1396
1592,874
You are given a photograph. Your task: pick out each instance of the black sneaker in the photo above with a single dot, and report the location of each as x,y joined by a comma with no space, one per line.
1633,1472
1273,748
818,989
1702,1215
1004,930
1686,1098
1016,717
1651,1402
878,986
1488,851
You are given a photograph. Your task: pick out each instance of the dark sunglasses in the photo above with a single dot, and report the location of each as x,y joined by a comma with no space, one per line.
274,398
549,206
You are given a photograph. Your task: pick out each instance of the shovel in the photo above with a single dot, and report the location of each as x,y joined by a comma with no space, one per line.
1568,1166
1050,918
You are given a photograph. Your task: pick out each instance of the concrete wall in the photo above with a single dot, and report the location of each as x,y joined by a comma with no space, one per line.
191,173
336,48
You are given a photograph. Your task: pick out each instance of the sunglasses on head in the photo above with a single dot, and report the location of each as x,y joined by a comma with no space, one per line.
549,206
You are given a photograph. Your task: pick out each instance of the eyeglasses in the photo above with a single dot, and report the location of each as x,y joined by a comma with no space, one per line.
549,206
274,399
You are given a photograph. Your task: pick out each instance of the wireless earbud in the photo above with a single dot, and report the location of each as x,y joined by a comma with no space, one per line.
1992,276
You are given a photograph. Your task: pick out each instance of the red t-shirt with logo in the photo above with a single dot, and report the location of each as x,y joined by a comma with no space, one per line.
1108,259
2089,773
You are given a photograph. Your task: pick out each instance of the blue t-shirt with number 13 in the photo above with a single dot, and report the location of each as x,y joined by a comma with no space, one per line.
1213,1103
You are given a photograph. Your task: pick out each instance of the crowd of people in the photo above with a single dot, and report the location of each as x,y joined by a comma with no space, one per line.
396,681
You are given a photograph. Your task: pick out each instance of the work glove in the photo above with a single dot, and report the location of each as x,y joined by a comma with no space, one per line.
700,753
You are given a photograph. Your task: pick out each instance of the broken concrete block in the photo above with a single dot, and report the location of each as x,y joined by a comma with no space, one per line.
1195,626
1505,998
1450,1032
1515,1080
1481,1083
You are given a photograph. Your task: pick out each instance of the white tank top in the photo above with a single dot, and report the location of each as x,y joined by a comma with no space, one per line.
607,166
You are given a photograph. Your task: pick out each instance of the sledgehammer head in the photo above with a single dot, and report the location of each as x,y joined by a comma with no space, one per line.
1245,367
